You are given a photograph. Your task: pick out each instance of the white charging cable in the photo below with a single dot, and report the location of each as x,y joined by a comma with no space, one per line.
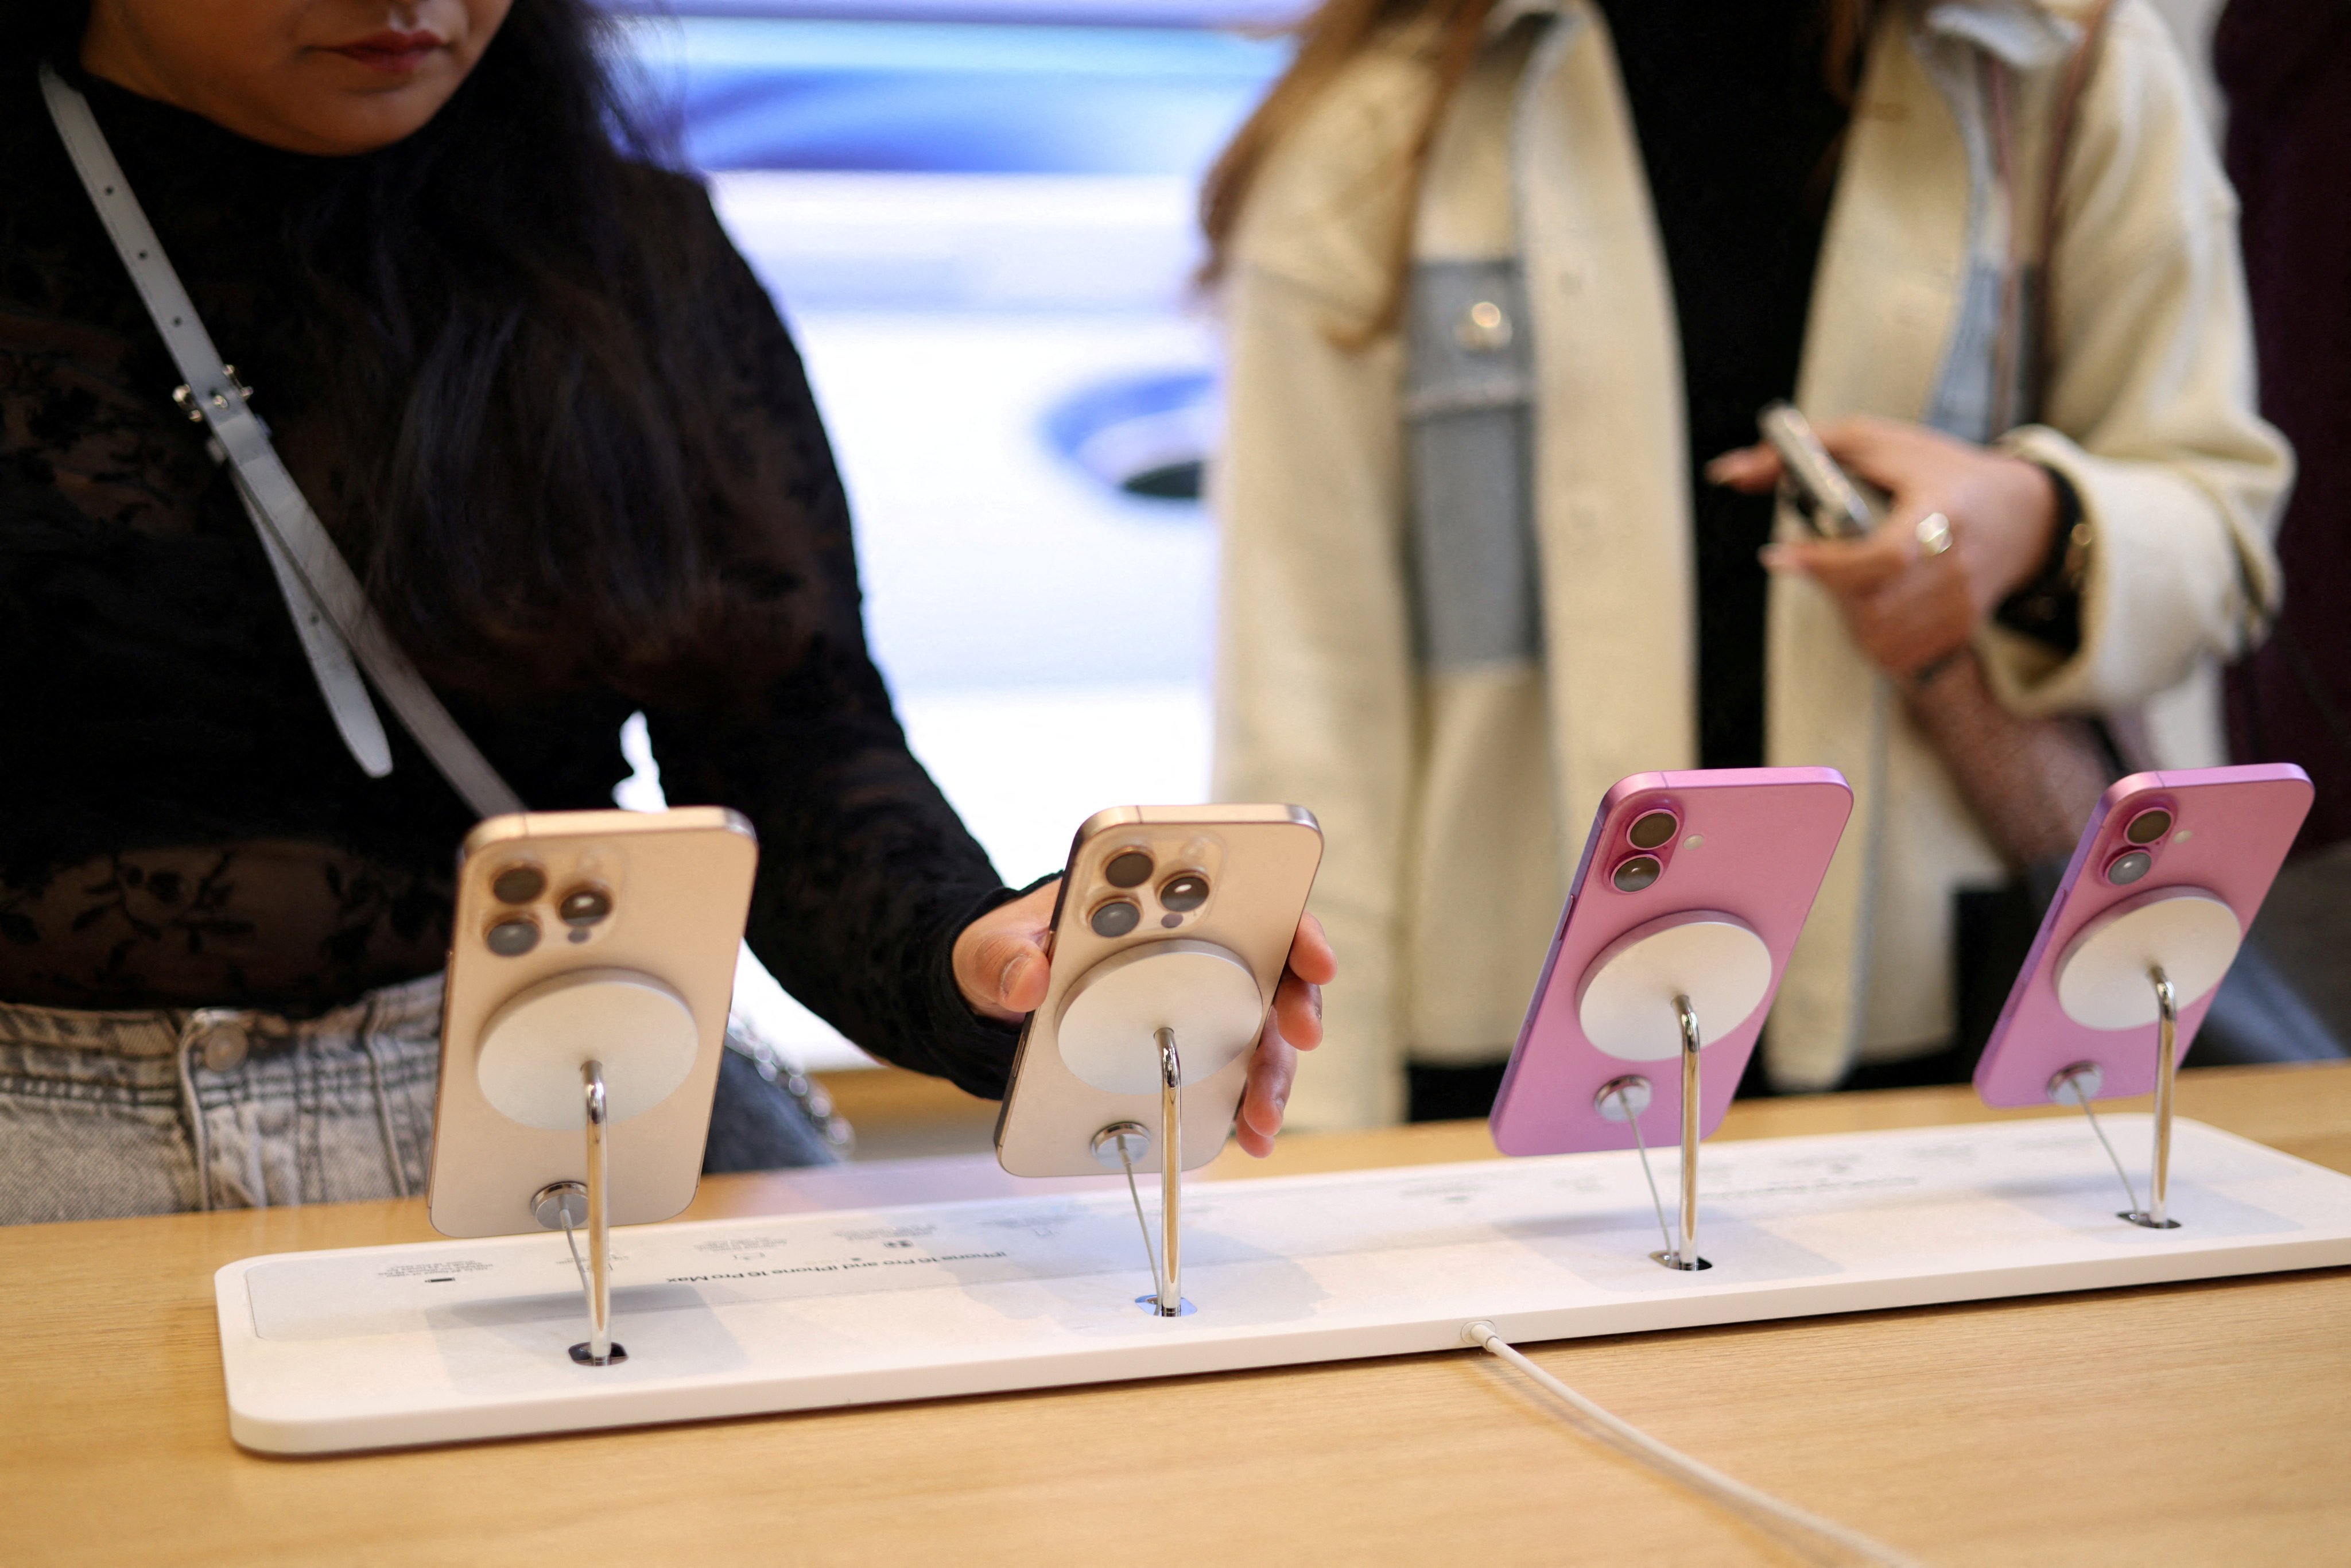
1762,1508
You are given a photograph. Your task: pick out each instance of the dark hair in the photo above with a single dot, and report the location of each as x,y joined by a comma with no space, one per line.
534,398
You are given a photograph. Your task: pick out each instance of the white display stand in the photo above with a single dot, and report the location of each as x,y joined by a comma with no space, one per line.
444,1341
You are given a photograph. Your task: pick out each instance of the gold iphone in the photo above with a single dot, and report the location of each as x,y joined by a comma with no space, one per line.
615,926
1212,896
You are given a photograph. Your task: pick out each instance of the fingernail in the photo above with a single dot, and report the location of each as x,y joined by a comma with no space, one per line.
1014,968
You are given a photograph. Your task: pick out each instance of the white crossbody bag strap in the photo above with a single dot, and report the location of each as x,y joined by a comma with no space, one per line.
330,607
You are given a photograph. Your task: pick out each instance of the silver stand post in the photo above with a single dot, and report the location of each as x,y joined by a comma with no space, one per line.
600,1218
1118,1146
2167,1071
1624,1099
596,1274
1171,1175
1685,1254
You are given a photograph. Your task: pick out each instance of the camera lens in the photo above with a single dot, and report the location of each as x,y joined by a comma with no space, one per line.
512,938
518,883
1652,829
1184,894
1634,875
1128,868
2129,867
1116,918
584,905
2148,826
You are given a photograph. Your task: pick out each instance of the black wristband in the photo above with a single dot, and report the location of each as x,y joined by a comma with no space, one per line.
2048,608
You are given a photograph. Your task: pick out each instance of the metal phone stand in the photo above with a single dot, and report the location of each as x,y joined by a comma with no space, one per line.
1149,1021
1120,1143
565,1204
2139,964
583,1051
1642,1000
1624,1099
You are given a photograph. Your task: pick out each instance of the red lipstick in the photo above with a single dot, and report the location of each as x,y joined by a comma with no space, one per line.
391,52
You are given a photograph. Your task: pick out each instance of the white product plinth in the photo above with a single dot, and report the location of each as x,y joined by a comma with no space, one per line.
383,1346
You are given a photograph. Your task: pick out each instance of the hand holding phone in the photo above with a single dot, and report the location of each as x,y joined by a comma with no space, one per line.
1003,969
1217,892
1827,498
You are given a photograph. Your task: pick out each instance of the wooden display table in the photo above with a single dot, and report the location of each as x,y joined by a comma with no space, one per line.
2192,1422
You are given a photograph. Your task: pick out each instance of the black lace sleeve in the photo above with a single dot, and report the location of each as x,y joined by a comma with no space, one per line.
865,872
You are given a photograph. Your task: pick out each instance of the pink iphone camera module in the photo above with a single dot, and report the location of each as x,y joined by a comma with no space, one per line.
1692,892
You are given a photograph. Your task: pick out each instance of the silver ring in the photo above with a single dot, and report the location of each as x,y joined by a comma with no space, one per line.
1934,534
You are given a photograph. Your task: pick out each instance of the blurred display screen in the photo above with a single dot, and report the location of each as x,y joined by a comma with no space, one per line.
973,96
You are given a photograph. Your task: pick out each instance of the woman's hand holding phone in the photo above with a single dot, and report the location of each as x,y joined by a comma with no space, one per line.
1003,969
1909,609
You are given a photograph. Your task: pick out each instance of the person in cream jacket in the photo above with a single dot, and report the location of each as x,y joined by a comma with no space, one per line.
1455,793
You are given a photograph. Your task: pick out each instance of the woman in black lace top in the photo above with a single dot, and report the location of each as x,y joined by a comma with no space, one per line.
551,417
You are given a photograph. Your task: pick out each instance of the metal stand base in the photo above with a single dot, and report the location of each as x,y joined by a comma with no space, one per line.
377,1347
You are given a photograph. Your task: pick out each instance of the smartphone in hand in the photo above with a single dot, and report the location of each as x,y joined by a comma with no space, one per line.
1832,504
645,907
1740,847
1216,890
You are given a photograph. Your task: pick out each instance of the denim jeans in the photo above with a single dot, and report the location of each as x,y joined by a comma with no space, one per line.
105,1114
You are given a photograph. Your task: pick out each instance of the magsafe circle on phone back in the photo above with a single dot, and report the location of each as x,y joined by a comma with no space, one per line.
2102,979
1626,1003
639,1030
1109,1022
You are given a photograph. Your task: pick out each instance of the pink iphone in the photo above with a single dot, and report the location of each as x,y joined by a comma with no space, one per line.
2199,839
1713,871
